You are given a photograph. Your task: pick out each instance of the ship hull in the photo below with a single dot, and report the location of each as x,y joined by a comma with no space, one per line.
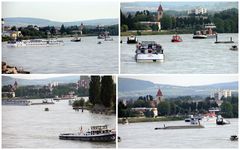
92,138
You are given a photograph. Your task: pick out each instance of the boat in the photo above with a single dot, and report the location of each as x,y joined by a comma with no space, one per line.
119,139
96,134
234,138
207,32
210,117
16,102
132,39
57,98
149,51
99,42
46,101
16,44
46,109
35,42
176,38
108,39
76,39
221,121
234,48
180,127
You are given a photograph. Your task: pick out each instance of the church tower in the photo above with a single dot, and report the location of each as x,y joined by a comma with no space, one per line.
159,96
159,12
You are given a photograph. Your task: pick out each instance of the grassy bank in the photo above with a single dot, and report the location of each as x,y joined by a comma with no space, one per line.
148,119
162,32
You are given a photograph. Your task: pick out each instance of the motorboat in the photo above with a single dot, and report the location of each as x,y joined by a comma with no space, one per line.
149,51
95,134
207,32
234,48
176,38
132,39
234,138
76,39
221,121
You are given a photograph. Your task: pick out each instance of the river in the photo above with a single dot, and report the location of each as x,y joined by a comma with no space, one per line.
143,135
190,56
86,57
32,127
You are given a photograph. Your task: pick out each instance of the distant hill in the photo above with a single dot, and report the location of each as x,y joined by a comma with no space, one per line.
135,88
177,6
6,80
24,21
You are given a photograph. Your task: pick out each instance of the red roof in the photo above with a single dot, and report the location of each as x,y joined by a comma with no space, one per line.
159,93
160,8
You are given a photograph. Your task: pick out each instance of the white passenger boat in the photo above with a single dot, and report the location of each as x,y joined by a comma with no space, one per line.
96,134
206,33
149,51
35,42
132,39
16,102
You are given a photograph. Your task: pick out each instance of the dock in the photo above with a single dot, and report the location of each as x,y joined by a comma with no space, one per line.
181,127
223,42
48,103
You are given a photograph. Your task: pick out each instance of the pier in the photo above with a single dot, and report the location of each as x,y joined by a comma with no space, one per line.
181,127
226,42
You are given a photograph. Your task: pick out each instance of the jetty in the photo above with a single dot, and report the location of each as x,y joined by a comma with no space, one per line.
224,42
181,127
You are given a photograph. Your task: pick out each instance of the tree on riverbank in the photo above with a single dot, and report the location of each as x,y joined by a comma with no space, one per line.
94,90
107,88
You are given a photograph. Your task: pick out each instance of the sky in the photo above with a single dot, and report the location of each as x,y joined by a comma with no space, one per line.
62,11
186,80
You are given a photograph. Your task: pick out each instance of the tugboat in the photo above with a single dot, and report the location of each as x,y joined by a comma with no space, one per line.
176,38
132,39
149,51
206,33
221,121
96,134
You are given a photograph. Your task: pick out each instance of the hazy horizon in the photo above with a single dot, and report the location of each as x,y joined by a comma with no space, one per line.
185,80
61,11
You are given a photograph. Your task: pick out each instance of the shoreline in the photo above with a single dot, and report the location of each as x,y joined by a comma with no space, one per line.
148,119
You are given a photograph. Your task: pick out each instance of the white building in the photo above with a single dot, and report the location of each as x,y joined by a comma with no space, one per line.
218,94
197,11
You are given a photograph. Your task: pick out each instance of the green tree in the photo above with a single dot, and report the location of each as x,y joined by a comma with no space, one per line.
227,109
163,108
62,29
107,91
94,90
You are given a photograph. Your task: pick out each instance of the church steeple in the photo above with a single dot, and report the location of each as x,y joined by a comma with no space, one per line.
159,12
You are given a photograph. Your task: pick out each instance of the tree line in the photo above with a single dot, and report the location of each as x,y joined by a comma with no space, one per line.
183,106
226,21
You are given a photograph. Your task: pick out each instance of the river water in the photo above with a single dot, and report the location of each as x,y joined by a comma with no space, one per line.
143,135
86,57
32,127
189,56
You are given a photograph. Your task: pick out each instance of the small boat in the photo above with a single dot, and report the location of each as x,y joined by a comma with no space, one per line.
119,139
132,39
99,42
76,39
46,109
96,134
234,48
176,38
221,121
149,51
205,33
234,138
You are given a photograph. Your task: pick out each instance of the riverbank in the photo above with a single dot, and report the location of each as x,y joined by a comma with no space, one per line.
148,119
6,69
162,32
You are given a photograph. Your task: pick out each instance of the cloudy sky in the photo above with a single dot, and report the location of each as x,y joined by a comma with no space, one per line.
63,11
186,80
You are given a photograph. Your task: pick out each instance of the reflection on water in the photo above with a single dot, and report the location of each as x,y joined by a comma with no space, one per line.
32,127
189,56
143,135
74,57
